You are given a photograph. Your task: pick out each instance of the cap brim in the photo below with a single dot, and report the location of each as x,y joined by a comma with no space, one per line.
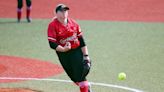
62,7
65,8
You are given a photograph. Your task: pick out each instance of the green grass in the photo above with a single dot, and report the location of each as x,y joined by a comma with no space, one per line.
131,47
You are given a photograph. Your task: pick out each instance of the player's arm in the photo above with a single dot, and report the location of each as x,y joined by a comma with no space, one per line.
60,48
66,48
85,51
53,42
82,43
87,61
84,48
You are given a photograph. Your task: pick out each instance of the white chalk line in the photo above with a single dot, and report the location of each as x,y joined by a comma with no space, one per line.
68,81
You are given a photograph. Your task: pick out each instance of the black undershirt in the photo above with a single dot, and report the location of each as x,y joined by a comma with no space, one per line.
54,45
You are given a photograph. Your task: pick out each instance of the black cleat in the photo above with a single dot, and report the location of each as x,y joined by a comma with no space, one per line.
18,21
28,20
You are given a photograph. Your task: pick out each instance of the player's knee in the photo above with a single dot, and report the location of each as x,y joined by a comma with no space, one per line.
20,6
77,79
83,84
28,3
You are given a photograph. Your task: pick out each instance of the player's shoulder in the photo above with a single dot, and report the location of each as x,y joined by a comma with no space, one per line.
53,21
72,21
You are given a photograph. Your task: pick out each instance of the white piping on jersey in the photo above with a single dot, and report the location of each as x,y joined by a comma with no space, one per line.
71,38
50,38
80,34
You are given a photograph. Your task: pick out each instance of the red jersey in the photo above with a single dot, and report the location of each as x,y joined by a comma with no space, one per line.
60,34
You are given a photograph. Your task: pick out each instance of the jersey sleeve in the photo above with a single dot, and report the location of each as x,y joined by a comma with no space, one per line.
79,32
51,33
80,37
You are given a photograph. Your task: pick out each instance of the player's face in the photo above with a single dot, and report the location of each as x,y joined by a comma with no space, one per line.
62,14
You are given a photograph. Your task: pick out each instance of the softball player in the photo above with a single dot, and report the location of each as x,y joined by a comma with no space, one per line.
28,10
65,37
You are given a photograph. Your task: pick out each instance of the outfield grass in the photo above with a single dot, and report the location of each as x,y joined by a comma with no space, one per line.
131,47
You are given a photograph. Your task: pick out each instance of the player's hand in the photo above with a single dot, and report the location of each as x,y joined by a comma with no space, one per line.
87,61
86,65
67,46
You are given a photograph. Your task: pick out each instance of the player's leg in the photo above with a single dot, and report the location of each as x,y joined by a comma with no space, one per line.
74,69
28,10
63,58
19,9
78,70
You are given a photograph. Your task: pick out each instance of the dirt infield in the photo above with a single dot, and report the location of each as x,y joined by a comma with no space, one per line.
18,67
17,90
2,68
116,10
